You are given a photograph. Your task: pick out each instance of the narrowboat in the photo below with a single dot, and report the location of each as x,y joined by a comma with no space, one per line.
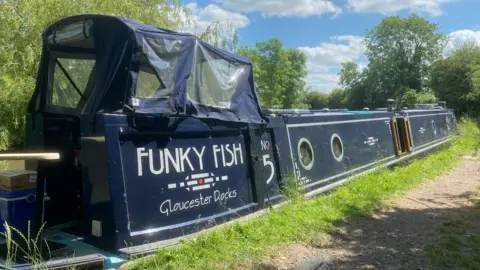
162,136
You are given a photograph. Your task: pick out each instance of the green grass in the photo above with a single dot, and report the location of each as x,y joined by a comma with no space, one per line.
458,242
23,247
303,220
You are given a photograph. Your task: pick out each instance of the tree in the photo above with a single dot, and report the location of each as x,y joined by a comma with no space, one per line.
24,21
221,34
349,74
336,99
455,80
316,100
278,72
475,94
412,97
356,85
399,52
295,86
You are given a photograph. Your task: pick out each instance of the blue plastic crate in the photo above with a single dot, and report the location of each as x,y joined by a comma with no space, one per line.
17,208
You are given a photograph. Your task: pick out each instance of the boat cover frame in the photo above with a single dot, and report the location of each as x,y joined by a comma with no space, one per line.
118,44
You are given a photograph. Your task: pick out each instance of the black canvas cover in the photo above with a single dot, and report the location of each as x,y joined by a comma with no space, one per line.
144,69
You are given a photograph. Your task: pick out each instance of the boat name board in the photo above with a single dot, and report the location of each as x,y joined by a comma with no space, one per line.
179,159
172,181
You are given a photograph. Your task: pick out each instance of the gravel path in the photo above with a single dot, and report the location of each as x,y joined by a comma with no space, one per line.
392,239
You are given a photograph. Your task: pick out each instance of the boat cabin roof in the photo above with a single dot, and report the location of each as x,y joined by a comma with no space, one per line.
106,64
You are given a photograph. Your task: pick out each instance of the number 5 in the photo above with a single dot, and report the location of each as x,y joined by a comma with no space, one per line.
268,163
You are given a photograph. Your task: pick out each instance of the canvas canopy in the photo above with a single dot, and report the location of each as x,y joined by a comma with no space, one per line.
103,64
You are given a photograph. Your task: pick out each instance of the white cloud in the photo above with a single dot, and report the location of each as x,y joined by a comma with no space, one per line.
213,13
283,8
200,18
324,61
433,7
323,82
307,8
460,37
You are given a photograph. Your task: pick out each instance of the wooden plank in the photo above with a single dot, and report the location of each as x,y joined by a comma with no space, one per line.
409,134
396,140
29,156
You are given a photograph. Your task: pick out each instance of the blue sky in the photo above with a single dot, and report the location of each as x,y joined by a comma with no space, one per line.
330,32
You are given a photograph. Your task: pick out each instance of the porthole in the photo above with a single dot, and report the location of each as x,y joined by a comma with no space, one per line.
434,127
336,145
305,154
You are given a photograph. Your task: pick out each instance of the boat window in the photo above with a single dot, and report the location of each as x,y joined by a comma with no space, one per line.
147,84
156,77
337,147
214,80
70,80
305,154
77,35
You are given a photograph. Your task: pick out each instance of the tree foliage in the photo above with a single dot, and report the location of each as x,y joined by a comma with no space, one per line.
316,100
336,99
356,85
399,52
456,79
279,73
412,97
349,74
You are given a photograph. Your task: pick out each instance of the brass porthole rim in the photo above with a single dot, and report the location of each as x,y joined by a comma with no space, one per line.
309,166
335,135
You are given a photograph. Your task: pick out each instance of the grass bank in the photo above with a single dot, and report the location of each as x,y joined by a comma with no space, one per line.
305,219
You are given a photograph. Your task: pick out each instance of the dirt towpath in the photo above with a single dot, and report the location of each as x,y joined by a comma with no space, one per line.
395,238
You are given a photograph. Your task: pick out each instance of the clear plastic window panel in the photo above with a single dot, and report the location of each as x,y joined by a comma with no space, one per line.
64,93
78,34
156,77
214,80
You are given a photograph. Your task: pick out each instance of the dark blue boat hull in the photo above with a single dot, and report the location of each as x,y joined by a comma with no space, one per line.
169,178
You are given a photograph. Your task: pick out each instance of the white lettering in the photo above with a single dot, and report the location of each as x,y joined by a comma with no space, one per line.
223,155
265,145
180,160
164,210
232,156
167,208
169,159
200,156
150,161
238,150
267,162
184,157
224,196
215,151
140,154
